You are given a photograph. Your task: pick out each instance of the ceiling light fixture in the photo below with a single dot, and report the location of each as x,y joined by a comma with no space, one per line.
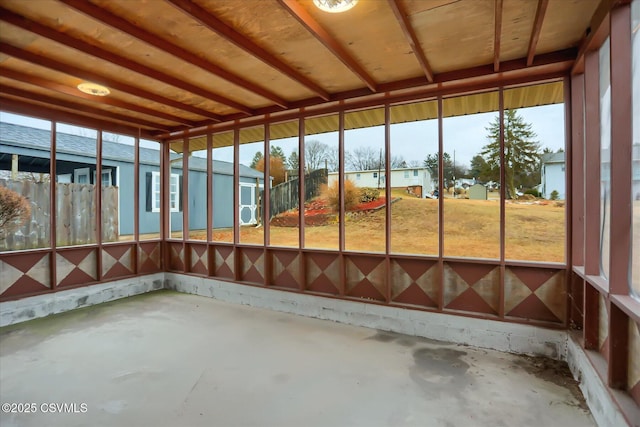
335,6
93,89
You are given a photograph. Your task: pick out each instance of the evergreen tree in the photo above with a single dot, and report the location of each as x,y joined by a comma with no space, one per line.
256,158
521,151
276,151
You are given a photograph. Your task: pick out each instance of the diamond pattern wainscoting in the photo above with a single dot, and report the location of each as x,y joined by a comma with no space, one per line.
285,268
24,273
535,294
252,265
199,263
223,262
176,257
76,266
149,256
633,372
473,288
603,326
323,272
366,277
415,282
117,261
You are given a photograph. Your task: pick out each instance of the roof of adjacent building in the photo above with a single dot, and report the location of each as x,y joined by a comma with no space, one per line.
39,140
553,157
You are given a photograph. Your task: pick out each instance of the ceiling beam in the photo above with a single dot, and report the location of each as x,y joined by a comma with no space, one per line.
546,67
76,106
107,100
223,30
497,35
34,110
300,13
102,79
595,35
410,35
89,49
535,32
125,26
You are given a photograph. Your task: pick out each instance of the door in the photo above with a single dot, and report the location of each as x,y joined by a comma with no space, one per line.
247,204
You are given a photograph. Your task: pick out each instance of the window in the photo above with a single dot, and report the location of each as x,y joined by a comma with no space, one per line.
406,174
81,176
357,177
415,172
635,149
605,156
106,177
375,174
174,192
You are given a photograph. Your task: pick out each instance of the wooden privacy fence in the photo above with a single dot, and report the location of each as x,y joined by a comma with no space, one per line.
285,196
75,215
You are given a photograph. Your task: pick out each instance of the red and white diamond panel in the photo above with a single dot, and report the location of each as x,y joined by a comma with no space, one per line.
472,287
24,274
149,257
176,256
535,293
414,282
223,261
603,326
117,261
76,267
323,273
633,372
366,277
252,265
285,269
199,259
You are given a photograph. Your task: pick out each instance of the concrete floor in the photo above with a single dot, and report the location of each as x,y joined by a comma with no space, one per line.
170,359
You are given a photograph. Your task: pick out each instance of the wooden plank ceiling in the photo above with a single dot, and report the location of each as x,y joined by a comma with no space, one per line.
176,65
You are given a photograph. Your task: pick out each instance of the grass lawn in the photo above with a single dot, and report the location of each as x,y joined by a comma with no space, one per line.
534,232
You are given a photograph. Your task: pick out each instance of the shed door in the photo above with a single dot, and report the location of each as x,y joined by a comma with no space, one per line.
247,204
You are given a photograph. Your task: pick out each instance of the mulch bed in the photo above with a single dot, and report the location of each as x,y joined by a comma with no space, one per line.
317,213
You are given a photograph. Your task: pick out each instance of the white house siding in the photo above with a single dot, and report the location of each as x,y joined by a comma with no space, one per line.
553,178
400,178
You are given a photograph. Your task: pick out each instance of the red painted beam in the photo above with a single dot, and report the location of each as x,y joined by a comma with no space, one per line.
412,38
125,26
89,49
300,13
223,30
535,32
70,90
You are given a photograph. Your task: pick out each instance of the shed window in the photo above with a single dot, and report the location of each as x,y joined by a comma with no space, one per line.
174,192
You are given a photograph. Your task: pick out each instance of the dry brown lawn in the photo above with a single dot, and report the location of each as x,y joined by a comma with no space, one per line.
534,232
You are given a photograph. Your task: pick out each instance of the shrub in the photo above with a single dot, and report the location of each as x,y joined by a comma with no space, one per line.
331,195
554,195
15,210
533,192
369,194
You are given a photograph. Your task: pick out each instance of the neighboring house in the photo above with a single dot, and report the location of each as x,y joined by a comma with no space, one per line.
76,163
552,175
400,178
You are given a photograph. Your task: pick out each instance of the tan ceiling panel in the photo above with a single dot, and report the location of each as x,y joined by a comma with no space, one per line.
379,45
517,24
452,42
32,70
274,29
170,23
91,31
558,32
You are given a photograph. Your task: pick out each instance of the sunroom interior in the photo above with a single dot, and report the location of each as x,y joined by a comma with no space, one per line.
216,146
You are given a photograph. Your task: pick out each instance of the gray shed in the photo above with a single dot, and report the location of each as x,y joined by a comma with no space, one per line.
478,192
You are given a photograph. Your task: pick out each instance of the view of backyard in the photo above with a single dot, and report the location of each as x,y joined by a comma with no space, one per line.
535,232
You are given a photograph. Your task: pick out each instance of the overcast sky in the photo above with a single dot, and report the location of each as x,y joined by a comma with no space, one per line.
464,135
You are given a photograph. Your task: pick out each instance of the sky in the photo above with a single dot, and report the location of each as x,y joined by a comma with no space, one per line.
463,136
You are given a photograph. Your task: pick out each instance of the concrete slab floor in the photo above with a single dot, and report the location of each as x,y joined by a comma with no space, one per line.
170,359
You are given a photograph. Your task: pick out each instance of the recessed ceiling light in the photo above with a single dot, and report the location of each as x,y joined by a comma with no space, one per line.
93,89
335,6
